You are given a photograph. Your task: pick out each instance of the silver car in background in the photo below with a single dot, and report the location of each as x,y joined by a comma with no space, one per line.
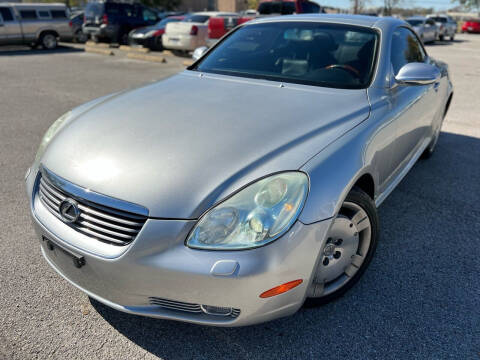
34,24
255,189
426,28
447,27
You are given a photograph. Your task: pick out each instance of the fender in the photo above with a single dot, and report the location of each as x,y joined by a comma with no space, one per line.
335,170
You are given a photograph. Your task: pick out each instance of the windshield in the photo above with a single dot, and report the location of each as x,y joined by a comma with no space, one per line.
162,23
197,18
94,9
415,22
330,55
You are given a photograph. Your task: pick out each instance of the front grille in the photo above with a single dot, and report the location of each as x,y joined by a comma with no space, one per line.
96,221
188,307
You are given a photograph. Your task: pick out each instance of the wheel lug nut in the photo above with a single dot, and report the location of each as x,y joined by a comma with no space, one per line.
337,254
338,242
326,261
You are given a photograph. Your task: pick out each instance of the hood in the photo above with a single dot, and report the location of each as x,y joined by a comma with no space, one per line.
180,145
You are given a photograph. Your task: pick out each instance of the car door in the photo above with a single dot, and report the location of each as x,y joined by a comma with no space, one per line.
10,29
413,106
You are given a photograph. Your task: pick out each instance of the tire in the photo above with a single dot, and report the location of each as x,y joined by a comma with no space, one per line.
48,41
81,37
158,46
352,239
441,37
452,37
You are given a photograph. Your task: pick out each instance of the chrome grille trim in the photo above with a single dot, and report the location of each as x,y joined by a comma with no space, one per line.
186,307
176,305
79,192
98,221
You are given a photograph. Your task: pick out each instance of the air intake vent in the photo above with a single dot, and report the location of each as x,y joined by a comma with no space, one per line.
195,308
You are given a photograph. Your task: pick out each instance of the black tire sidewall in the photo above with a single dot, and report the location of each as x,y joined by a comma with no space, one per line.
360,198
43,38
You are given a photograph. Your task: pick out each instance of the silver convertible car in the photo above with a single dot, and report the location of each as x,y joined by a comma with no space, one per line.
247,185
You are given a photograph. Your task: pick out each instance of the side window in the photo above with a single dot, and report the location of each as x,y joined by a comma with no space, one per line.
430,22
43,14
405,49
127,10
58,14
6,14
28,14
149,15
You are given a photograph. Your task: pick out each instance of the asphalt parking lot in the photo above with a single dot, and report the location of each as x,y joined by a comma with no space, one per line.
420,297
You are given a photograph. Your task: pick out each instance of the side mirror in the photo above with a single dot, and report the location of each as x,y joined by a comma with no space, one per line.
199,52
417,74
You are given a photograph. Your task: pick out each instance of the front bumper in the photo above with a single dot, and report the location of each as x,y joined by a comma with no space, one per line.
158,264
182,42
102,31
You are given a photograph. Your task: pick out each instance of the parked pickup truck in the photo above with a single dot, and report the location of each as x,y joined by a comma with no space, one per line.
34,24
446,26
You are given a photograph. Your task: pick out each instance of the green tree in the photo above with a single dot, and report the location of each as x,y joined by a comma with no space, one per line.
471,4
252,4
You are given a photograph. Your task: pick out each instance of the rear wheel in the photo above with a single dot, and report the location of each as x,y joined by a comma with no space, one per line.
81,37
350,245
48,41
441,37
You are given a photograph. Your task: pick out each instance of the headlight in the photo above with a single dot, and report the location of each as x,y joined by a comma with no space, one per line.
255,216
51,132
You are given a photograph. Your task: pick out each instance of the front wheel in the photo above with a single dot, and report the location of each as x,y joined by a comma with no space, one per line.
48,41
348,250
441,37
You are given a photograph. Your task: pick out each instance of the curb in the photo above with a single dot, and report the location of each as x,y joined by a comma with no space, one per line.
97,45
152,58
101,51
134,49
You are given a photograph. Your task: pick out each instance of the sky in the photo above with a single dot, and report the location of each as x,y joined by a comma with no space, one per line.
438,5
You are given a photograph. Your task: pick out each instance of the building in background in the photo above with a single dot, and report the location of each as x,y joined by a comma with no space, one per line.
212,5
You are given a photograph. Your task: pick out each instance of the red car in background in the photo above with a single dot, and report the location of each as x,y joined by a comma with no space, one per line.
219,26
471,26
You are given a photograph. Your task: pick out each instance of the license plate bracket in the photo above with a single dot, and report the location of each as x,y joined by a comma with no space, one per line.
78,260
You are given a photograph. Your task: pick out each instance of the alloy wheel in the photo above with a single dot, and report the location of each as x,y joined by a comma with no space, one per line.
345,250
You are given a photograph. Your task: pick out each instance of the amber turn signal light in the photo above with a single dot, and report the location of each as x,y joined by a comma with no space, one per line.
280,289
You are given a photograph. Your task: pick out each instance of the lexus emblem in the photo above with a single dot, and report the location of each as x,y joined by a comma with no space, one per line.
69,210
